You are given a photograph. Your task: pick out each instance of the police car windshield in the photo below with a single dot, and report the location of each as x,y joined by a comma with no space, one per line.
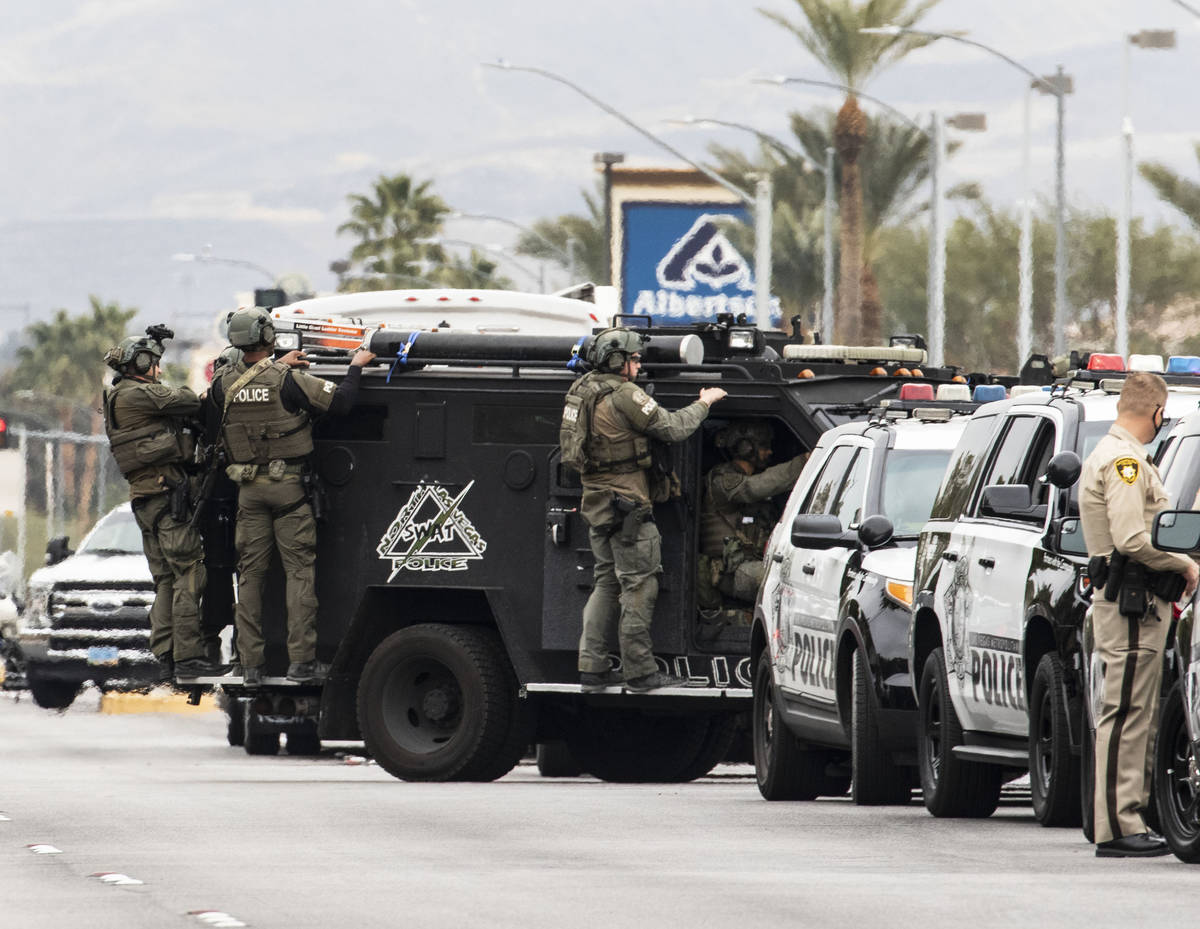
117,533
910,482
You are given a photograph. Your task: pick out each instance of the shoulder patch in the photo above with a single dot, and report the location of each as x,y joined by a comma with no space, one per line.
644,400
1127,469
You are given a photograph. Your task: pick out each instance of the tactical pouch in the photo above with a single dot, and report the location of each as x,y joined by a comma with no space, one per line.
1116,575
158,449
1169,585
1097,569
241,473
1136,597
180,502
277,469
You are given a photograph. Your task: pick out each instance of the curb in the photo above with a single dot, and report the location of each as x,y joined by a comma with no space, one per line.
157,701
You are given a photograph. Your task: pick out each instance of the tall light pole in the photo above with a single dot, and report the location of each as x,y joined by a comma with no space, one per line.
562,255
759,203
493,249
606,160
827,269
1187,6
1147,38
935,315
1058,84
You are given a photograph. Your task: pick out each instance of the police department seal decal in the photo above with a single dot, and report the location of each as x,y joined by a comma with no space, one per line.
1127,469
431,533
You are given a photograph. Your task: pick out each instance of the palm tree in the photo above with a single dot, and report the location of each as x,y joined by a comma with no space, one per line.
1181,193
388,224
581,235
830,30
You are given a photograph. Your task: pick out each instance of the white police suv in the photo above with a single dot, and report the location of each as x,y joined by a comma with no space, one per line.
832,690
1000,598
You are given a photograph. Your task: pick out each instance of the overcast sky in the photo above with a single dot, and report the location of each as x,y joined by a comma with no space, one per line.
264,114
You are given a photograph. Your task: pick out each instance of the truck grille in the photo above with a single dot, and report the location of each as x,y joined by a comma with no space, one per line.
92,615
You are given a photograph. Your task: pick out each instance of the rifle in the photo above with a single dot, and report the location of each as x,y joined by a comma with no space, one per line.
215,464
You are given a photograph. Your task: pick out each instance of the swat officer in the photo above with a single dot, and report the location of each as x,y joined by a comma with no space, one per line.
738,516
149,432
265,409
612,421
1120,494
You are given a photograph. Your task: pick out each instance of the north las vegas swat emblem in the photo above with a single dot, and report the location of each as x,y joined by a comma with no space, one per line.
431,533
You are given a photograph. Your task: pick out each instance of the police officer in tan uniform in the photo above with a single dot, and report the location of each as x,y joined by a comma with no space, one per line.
266,408
738,516
149,431
1119,495
617,506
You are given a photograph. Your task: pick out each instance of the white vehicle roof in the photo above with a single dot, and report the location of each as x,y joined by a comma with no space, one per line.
919,434
469,310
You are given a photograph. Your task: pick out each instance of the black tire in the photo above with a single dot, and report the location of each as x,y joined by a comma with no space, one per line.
554,759
722,730
634,747
1087,780
235,721
783,769
53,694
877,779
439,703
1054,774
304,743
1176,796
952,786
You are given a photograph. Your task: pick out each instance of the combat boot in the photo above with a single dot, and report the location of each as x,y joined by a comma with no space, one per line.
307,672
655,681
199,667
252,677
591,682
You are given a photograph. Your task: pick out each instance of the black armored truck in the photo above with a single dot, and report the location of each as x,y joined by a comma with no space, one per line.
453,564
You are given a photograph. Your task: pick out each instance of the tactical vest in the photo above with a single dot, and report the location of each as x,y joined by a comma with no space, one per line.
720,523
589,451
258,428
138,439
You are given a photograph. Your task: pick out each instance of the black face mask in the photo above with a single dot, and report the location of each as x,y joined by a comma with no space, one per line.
1160,420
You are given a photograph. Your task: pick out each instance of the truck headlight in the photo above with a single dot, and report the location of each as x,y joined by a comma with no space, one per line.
287,341
37,609
900,592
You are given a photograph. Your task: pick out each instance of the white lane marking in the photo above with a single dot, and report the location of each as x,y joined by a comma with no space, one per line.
217,918
42,849
4,819
111,877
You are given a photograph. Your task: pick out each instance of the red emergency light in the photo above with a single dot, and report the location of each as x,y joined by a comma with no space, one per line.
916,392
1102,362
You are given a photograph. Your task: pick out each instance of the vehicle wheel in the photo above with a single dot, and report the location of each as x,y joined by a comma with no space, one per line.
1176,785
877,780
1053,771
235,720
633,747
304,743
262,743
439,703
1087,780
952,786
722,729
783,769
554,759
52,694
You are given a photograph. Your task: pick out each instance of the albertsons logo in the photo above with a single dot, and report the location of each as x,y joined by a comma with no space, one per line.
701,275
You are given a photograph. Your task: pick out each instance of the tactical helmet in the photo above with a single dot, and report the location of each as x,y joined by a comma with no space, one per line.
230,356
741,439
137,351
618,342
251,328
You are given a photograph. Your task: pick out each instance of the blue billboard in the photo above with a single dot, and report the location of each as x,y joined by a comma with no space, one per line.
678,266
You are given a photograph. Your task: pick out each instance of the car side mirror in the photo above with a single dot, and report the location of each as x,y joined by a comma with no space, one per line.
1177,531
1064,469
875,531
823,531
57,550
1006,500
1068,536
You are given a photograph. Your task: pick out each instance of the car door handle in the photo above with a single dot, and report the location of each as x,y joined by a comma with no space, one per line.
809,569
988,562
950,556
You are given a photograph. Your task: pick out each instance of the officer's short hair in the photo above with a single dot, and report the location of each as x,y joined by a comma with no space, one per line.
1141,393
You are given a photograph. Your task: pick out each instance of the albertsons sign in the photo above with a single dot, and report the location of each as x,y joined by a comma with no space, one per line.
679,266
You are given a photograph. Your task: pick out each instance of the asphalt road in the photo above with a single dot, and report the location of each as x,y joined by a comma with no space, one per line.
302,842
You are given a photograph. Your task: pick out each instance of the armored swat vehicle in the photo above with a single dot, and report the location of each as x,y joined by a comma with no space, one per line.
453,565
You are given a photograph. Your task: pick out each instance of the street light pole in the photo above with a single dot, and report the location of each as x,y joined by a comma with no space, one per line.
1025,249
762,193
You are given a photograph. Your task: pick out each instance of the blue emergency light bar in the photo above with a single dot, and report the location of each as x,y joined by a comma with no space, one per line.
986,393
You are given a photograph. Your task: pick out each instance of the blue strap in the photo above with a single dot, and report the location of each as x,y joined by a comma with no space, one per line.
402,357
576,361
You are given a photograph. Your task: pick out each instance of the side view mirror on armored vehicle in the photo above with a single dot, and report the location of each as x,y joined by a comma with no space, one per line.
1177,531
823,531
1063,469
57,550
875,531
1006,500
1068,536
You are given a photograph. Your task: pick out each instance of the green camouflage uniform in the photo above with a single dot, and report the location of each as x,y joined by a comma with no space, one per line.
736,521
626,545
142,419
267,446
